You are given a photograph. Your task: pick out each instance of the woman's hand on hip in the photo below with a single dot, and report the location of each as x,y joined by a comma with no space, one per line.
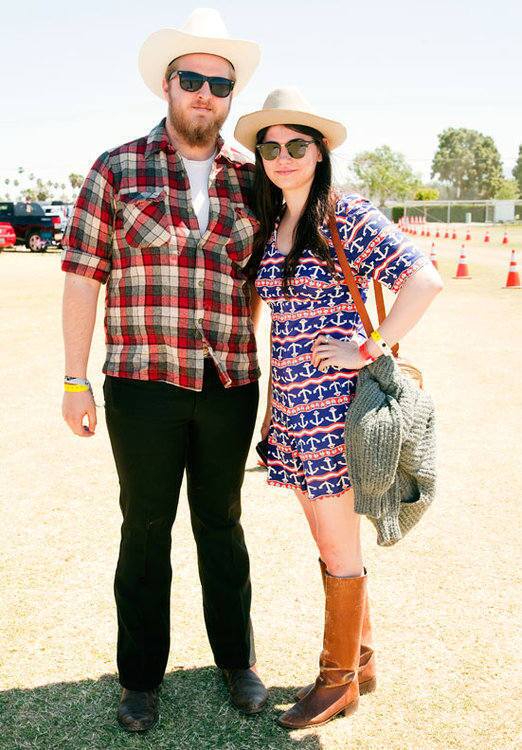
330,352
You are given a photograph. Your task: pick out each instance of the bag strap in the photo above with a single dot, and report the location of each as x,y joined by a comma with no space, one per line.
379,300
349,279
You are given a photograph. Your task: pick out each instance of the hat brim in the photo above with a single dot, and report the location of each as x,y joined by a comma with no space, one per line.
166,44
248,126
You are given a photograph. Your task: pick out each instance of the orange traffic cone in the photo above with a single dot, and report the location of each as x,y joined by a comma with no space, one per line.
468,235
513,277
454,234
486,236
428,233
462,268
505,240
433,256
437,233
446,235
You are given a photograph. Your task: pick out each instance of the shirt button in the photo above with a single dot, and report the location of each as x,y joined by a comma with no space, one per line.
200,282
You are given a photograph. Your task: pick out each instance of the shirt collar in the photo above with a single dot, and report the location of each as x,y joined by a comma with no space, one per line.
158,140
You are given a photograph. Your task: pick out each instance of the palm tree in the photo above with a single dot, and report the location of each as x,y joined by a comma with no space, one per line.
76,180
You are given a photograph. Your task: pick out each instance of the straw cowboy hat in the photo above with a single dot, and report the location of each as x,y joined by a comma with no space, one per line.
205,31
286,106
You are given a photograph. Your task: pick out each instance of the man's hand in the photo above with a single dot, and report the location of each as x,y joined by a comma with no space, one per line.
80,297
75,407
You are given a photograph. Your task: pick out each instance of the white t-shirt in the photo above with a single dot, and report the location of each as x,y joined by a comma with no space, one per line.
198,173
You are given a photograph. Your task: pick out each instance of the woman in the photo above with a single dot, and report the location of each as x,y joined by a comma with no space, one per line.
318,345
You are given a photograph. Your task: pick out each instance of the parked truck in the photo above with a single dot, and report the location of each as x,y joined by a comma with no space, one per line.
32,227
57,208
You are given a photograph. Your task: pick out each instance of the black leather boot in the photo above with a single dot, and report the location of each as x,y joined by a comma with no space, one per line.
138,710
247,692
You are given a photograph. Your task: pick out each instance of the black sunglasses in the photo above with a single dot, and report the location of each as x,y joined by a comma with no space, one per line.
190,81
271,149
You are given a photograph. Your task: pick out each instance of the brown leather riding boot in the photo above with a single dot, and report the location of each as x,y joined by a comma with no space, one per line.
336,689
366,672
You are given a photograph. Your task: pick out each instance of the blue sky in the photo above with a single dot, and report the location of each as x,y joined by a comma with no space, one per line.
395,73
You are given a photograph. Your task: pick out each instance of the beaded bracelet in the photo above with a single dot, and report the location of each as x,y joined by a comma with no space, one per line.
381,343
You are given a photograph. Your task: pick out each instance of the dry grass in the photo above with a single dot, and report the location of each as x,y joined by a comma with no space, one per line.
444,600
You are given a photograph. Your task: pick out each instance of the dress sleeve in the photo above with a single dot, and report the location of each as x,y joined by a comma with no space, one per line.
375,248
87,242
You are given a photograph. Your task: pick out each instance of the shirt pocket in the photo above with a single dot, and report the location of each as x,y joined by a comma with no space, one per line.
144,218
240,243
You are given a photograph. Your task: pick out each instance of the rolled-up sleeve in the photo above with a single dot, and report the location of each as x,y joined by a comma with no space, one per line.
376,248
87,242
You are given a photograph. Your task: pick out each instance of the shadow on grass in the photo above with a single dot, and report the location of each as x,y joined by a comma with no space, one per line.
195,715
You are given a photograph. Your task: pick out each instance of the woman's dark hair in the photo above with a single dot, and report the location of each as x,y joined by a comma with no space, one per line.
268,204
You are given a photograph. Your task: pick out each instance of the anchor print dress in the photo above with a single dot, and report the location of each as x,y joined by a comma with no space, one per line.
306,436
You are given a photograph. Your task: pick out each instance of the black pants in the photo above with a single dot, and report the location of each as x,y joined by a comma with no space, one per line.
158,430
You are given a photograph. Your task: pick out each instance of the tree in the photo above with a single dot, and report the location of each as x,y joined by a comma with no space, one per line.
517,169
42,191
508,190
468,160
76,180
385,174
426,194
30,194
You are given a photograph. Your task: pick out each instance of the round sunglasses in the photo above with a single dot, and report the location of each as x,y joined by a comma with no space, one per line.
191,81
296,148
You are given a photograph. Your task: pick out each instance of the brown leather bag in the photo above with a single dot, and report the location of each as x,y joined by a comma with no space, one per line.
408,368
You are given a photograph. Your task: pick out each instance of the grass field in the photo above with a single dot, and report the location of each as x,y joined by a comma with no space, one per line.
445,601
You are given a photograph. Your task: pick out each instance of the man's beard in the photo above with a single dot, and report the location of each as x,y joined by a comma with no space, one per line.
194,133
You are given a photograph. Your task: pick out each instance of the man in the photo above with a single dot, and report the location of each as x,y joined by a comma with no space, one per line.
164,221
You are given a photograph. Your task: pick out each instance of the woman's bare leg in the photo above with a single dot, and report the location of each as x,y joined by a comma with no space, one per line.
335,527
307,506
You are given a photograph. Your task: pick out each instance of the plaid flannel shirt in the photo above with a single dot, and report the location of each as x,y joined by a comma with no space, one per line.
172,293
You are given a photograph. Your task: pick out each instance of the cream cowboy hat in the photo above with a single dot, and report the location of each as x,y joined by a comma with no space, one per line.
205,31
286,106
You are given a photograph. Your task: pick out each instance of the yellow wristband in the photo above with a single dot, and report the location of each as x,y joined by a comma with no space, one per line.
71,388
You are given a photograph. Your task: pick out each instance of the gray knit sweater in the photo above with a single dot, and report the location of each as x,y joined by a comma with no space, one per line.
390,449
